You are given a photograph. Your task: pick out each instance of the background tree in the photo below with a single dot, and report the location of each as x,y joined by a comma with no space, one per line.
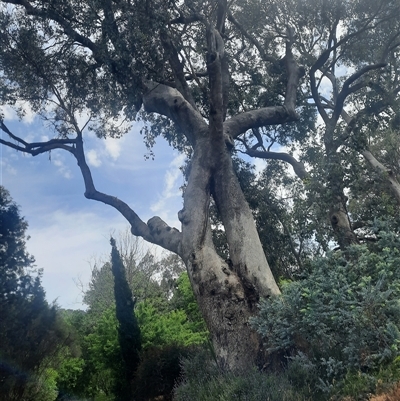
169,320
212,77
31,334
128,329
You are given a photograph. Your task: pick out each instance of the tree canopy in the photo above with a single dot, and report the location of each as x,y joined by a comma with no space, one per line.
312,84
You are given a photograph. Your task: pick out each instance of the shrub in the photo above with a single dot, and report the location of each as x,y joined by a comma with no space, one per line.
202,380
344,317
158,371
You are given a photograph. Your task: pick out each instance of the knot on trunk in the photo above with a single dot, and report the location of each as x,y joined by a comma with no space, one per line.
183,216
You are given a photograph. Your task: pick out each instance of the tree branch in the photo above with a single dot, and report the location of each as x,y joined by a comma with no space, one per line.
240,123
156,231
294,75
298,167
36,148
170,102
251,39
275,114
69,31
324,57
388,173
177,69
215,54
348,90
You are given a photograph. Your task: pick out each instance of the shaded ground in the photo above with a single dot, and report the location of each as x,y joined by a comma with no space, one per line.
392,395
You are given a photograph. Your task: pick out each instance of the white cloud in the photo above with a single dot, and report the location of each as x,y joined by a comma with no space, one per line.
113,147
93,158
6,168
9,113
259,165
170,200
63,248
58,159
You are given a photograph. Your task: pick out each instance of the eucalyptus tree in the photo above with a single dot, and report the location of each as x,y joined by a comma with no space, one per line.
354,85
213,77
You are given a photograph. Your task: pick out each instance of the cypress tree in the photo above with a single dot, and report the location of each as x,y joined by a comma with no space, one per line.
128,327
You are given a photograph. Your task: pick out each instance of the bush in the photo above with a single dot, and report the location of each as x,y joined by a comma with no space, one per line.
202,380
344,317
173,327
158,371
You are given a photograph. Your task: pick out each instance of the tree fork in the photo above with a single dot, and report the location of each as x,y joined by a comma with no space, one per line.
221,294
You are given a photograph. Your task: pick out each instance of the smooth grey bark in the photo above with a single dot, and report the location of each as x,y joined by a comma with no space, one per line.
388,174
218,289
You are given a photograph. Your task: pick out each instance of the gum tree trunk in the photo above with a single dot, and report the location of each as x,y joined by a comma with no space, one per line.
227,291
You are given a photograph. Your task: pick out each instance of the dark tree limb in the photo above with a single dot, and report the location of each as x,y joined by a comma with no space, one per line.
324,57
215,55
294,73
348,90
68,29
265,116
35,148
156,231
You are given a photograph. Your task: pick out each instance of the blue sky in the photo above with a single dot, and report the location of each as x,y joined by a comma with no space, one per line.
68,231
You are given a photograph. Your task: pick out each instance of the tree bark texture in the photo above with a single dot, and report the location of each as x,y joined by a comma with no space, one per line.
338,215
227,291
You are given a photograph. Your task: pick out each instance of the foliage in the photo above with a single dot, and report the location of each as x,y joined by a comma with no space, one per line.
344,317
92,366
31,333
173,327
158,371
202,380
177,321
13,255
102,356
69,377
99,296
95,365
185,300
359,385
141,270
